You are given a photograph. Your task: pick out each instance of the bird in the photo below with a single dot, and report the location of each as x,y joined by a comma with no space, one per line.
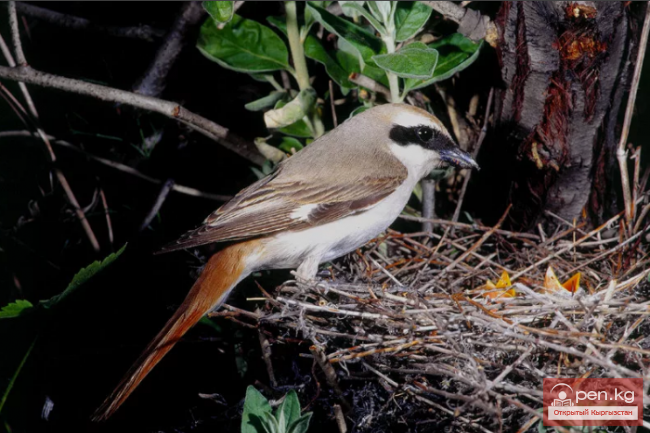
325,201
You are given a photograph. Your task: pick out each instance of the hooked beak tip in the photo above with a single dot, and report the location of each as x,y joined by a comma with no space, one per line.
459,159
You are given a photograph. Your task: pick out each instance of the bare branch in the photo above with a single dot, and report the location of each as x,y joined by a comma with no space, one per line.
143,32
122,167
428,203
167,187
153,82
370,84
449,9
20,57
170,109
15,34
477,148
470,22
621,153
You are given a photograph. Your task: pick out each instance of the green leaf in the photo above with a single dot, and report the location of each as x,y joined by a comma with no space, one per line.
412,61
358,110
292,112
410,17
82,277
364,43
351,7
205,320
256,408
243,45
301,424
221,11
298,129
348,59
12,381
455,53
381,9
315,51
417,191
15,309
289,143
266,102
269,152
289,411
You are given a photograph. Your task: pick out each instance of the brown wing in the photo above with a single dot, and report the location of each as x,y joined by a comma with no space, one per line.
270,205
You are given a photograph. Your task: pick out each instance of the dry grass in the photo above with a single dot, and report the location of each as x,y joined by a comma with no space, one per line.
405,314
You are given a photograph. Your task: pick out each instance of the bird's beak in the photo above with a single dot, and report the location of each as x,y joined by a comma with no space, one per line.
458,158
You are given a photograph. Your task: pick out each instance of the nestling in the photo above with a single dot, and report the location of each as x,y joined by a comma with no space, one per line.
330,198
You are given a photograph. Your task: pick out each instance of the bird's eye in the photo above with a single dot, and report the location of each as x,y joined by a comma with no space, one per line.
425,133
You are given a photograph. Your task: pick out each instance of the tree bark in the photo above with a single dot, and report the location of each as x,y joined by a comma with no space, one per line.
566,69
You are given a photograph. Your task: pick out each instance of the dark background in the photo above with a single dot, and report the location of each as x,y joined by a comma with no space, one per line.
84,348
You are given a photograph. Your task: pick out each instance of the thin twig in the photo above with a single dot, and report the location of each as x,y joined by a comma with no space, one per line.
428,203
122,167
442,222
340,419
330,374
480,242
20,58
142,32
332,105
160,200
109,223
170,109
477,148
266,355
370,84
621,152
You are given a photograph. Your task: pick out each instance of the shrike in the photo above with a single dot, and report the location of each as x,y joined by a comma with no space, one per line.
327,200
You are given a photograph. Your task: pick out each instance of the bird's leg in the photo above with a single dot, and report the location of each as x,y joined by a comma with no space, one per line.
306,272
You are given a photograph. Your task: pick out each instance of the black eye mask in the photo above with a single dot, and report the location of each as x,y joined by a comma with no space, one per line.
435,140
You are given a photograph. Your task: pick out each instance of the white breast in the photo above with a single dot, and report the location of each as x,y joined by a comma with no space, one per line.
329,241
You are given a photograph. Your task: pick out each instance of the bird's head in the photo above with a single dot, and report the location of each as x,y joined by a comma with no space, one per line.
418,139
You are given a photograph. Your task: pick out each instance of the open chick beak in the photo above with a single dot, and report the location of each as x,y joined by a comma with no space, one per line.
458,158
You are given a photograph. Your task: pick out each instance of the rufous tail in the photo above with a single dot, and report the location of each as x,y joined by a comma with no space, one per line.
222,272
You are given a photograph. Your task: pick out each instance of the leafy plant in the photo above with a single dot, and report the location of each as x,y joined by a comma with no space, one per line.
258,416
23,307
374,39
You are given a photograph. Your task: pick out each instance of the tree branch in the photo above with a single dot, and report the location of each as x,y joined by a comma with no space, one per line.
621,152
143,32
63,181
167,187
170,109
15,34
470,22
477,148
153,82
369,84
121,167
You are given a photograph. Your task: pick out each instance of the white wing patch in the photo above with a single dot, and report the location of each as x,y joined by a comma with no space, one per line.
302,213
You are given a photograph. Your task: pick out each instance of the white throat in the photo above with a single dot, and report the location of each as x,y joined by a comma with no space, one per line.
418,161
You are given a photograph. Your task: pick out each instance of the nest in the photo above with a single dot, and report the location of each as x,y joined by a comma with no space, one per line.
412,314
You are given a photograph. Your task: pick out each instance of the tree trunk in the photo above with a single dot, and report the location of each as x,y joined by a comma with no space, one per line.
566,68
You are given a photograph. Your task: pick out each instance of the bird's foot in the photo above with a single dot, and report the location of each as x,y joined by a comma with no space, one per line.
309,280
